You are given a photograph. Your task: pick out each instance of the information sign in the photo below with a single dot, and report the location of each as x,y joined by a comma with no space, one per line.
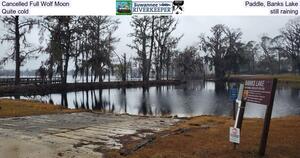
258,91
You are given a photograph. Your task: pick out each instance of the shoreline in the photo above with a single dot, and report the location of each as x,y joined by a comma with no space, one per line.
69,87
198,136
38,107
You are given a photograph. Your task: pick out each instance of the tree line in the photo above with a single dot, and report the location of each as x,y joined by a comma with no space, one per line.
90,42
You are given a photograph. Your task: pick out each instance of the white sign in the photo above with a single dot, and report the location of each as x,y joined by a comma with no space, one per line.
154,7
234,135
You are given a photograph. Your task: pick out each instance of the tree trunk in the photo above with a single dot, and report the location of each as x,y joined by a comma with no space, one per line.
86,69
219,71
279,63
65,70
124,74
253,64
161,62
50,70
144,58
157,64
157,72
17,51
100,75
92,74
151,48
168,71
61,62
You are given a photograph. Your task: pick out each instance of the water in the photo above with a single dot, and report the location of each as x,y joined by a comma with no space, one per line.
192,99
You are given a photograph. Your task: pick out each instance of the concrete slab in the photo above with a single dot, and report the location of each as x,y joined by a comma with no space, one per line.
71,135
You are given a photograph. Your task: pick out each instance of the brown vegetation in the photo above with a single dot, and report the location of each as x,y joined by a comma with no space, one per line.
284,78
208,136
16,108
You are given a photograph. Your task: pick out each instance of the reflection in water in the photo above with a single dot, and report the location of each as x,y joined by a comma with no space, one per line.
191,99
17,96
75,103
164,107
145,108
64,100
295,92
124,99
220,87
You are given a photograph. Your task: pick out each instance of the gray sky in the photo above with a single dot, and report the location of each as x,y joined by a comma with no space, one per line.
253,27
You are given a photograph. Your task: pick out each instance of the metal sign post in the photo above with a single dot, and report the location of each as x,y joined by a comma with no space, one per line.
238,119
241,107
240,115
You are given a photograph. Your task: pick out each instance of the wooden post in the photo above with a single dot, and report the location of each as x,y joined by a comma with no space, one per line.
233,109
268,114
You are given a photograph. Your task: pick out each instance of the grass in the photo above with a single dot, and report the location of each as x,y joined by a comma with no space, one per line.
16,108
281,77
207,136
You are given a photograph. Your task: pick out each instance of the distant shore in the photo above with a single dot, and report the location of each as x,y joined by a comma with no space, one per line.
284,78
60,88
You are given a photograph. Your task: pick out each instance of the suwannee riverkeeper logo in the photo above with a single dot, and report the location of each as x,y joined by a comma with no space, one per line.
129,7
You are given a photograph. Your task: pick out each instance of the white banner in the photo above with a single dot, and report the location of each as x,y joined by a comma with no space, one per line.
188,7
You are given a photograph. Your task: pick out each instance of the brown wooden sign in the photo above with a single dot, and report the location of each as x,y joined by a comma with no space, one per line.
258,91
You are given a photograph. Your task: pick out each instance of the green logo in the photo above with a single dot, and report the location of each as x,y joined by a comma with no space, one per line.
123,7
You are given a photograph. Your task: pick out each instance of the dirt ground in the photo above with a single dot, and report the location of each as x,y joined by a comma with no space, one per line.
208,136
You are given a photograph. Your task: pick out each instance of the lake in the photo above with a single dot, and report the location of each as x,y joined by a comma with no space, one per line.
191,99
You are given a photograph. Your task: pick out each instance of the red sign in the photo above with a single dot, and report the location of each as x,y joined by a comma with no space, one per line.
258,91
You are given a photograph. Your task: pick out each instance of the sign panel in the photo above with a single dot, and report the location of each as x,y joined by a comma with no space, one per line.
233,92
258,91
234,135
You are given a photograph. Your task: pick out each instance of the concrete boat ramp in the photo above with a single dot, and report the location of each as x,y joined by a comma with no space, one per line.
74,135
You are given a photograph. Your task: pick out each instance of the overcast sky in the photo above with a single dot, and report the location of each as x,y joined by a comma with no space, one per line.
191,26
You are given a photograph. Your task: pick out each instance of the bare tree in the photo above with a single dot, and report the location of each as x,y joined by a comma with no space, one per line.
17,29
141,35
64,34
153,37
291,42
97,45
189,65
165,26
270,53
249,55
221,49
